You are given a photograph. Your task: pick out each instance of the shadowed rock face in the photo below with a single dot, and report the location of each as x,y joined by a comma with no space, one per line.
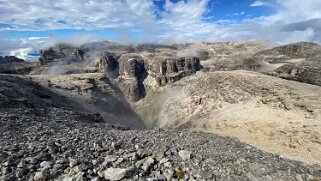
131,69
59,52
171,70
10,59
132,73
108,63
14,65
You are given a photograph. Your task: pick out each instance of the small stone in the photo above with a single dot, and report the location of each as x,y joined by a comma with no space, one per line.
114,174
115,145
185,155
42,175
45,165
147,163
20,173
136,147
299,177
169,174
72,162
21,164
158,155
164,160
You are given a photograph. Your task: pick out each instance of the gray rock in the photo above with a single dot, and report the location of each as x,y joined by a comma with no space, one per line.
46,165
148,163
72,162
42,175
114,174
185,155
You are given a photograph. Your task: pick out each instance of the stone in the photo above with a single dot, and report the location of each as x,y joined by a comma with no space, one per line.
21,164
185,155
114,174
45,164
42,175
147,163
72,162
159,155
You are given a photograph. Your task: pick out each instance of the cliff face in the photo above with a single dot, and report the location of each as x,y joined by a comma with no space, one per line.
10,59
61,52
15,65
131,69
299,61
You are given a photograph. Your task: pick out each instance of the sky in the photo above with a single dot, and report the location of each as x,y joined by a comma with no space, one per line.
29,25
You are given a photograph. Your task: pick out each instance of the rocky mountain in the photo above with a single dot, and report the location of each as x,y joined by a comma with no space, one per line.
277,115
129,64
14,65
44,138
109,111
300,61
10,59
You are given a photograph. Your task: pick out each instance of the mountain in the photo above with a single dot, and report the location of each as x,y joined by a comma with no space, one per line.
194,111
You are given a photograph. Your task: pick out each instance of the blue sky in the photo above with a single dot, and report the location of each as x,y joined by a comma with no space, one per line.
29,25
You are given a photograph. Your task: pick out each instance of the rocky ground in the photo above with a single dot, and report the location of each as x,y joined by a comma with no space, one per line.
276,115
42,139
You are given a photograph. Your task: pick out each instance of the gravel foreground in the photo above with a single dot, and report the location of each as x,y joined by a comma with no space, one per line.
41,138
41,149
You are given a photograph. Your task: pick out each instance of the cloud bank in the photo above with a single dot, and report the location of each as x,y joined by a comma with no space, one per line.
170,22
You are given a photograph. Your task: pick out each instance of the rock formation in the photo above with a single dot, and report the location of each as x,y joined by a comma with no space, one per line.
61,52
14,65
131,69
10,59
172,70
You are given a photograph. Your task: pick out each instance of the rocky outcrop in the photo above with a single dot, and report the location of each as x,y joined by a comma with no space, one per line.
132,73
61,52
10,59
305,74
291,51
14,65
108,63
298,61
131,69
301,49
171,70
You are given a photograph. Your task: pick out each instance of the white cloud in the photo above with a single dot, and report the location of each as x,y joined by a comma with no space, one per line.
22,53
182,21
258,3
75,14
37,38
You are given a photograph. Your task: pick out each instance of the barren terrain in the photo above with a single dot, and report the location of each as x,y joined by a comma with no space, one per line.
276,115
